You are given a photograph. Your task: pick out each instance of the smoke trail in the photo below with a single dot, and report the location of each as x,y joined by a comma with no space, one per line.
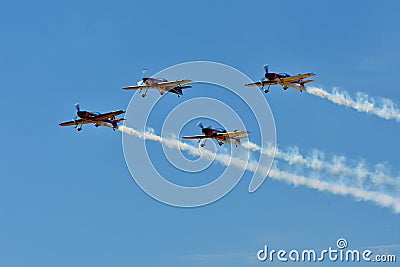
225,159
363,103
380,198
337,166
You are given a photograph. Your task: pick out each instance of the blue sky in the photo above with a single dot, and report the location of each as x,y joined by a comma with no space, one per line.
67,198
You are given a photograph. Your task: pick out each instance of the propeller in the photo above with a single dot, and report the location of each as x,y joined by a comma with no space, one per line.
200,125
266,72
144,79
144,71
266,68
77,107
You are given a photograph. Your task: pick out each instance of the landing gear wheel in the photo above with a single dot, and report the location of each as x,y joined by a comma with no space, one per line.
202,145
220,143
143,95
266,91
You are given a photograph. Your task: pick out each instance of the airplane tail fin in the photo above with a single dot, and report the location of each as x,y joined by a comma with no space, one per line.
178,89
115,122
303,88
236,141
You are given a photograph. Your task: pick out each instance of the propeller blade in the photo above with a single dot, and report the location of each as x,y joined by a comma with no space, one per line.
77,107
266,68
200,125
144,71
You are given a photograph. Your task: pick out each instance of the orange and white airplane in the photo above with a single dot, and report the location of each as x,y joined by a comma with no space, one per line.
98,119
297,82
219,134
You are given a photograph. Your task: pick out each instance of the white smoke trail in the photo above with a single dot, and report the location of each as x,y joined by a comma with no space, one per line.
380,198
337,166
363,103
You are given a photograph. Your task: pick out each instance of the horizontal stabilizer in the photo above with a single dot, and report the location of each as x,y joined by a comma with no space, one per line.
307,81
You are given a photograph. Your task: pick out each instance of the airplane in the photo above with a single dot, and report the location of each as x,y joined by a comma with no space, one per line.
219,134
98,119
162,85
297,82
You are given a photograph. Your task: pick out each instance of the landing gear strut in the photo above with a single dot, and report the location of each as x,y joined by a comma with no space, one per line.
266,90
145,93
204,143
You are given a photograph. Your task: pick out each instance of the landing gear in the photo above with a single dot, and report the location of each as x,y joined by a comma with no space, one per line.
204,143
220,143
78,127
285,87
266,90
145,93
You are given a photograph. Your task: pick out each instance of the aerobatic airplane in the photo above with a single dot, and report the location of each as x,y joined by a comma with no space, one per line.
219,134
162,85
297,82
98,119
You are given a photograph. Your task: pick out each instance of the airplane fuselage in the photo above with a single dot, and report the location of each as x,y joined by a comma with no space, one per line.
86,114
277,77
91,117
213,133
274,76
154,83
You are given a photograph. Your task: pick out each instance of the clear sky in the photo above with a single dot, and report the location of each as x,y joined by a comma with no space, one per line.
68,199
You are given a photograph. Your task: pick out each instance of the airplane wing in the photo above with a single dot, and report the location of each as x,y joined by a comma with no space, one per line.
108,115
173,83
233,134
195,137
136,87
76,122
261,83
297,77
